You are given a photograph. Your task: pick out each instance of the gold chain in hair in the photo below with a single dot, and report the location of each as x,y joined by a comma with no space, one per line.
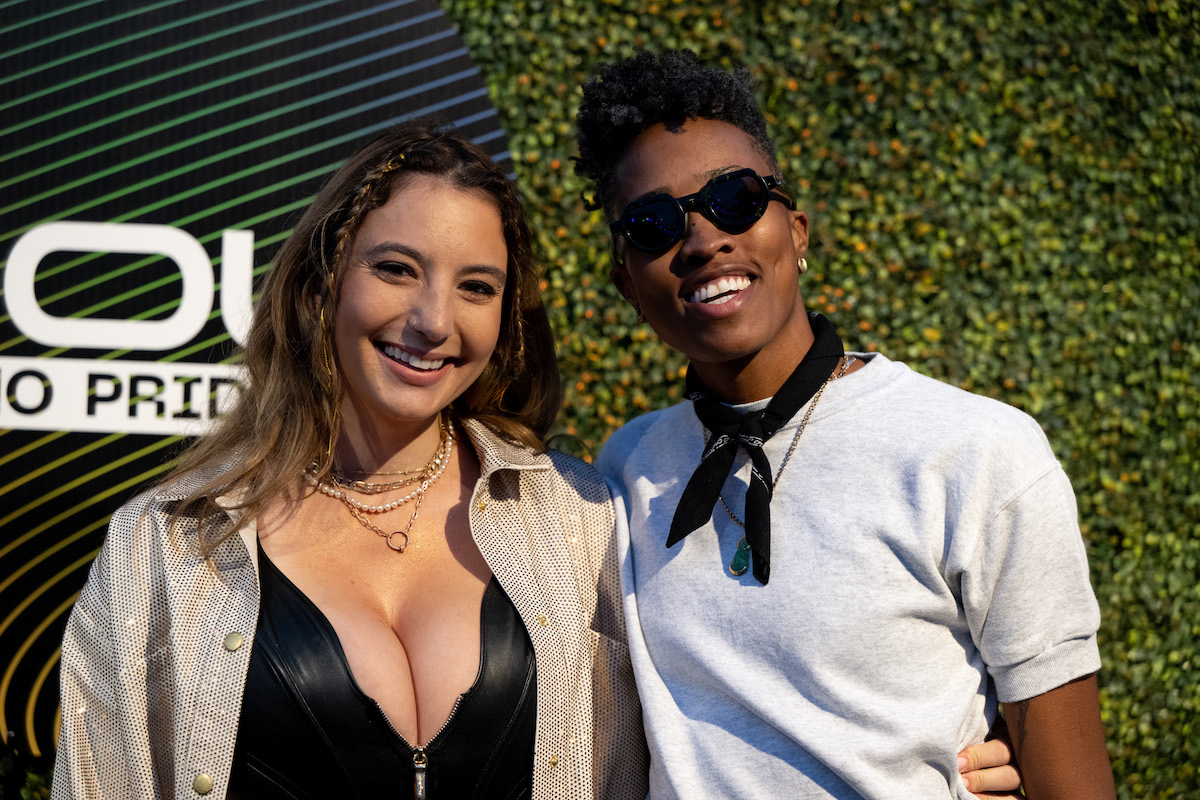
329,382
326,334
357,208
395,163
519,325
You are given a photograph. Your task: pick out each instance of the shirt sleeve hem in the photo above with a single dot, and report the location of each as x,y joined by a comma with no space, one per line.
1050,669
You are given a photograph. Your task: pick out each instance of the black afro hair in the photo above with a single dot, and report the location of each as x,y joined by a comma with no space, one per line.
629,96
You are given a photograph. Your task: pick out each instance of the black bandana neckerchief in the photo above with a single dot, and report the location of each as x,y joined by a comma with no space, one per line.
732,429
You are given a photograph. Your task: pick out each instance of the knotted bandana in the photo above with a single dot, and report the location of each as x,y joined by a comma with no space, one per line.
732,429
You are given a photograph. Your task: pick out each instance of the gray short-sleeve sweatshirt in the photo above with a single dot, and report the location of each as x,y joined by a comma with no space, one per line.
926,564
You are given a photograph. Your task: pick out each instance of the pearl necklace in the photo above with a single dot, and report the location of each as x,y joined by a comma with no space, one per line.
339,490
440,458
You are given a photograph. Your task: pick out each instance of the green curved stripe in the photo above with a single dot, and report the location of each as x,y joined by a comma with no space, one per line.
223,32
242,148
91,26
143,262
58,12
224,80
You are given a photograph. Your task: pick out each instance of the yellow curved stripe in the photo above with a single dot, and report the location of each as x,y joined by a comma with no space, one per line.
44,554
34,445
235,358
86,478
38,592
64,459
107,493
6,681
29,705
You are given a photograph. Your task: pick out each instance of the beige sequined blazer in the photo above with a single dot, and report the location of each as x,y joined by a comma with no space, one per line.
156,650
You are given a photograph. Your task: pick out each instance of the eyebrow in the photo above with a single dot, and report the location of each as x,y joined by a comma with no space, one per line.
395,247
416,255
485,269
708,176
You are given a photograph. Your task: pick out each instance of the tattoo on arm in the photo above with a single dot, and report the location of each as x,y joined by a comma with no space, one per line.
1022,714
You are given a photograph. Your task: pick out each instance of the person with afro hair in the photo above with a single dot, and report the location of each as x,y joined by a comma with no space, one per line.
835,570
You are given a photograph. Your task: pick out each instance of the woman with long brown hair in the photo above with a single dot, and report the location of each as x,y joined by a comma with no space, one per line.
372,575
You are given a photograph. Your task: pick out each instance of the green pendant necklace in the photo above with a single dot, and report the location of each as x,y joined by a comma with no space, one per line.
741,556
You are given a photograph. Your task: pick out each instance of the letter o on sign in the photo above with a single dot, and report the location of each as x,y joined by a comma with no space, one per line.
40,381
189,255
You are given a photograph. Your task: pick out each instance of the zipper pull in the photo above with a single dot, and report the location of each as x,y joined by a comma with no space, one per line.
420,762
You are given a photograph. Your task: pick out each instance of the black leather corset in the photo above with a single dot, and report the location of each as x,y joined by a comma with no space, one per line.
308,731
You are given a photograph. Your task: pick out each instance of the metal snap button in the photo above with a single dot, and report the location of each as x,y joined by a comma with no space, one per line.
203,784
233,641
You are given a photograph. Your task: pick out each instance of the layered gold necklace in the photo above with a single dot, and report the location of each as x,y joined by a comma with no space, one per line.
342,487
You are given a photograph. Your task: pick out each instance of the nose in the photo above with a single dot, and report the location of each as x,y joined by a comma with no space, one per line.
432,315
702,239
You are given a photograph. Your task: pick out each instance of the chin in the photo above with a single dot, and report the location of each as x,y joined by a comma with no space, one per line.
717,349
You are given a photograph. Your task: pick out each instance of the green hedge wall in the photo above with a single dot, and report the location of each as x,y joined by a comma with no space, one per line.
1002,194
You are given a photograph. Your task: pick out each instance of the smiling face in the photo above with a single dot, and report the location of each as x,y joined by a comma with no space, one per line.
729,301
421,304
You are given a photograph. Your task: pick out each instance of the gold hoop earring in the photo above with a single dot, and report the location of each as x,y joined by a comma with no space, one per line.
802,265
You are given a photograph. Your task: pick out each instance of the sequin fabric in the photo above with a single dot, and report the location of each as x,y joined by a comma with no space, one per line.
156,650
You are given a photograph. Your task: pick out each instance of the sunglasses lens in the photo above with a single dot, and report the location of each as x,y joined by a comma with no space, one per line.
653,226
732,202
738,201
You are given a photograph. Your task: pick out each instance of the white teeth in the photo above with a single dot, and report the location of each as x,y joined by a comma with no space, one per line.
411,360
720,290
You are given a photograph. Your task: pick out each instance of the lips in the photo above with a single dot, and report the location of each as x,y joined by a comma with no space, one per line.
719,291
416,362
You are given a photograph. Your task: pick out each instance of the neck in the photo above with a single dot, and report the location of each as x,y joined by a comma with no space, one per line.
366,448
761,374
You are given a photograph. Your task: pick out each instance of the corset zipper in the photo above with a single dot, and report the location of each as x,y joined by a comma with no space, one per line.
420,762
420,759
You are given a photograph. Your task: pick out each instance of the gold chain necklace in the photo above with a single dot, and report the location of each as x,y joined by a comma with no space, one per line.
359,510
435,466
741,556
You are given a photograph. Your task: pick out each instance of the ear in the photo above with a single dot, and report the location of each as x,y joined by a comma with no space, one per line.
799,222
620,278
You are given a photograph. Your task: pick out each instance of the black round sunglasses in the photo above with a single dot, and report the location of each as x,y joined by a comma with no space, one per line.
733,202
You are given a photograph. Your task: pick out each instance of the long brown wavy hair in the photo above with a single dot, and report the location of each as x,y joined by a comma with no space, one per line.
287,417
